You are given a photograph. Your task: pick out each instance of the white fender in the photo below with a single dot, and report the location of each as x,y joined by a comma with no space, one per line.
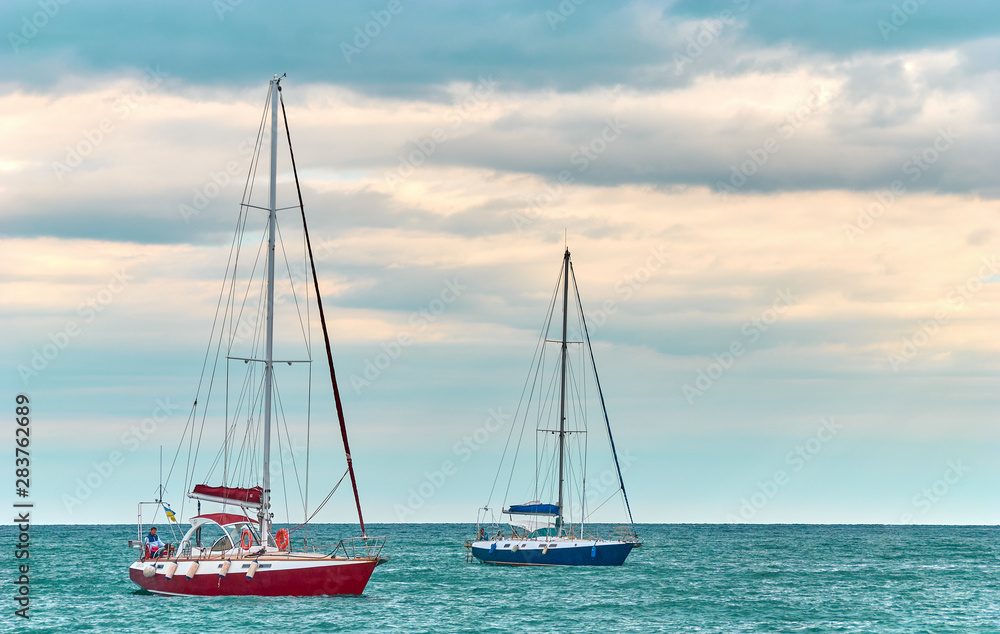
225,568
149,571
192,570
252,571
516,548
171,569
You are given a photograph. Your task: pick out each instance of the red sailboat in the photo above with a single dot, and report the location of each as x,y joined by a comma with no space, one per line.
240,553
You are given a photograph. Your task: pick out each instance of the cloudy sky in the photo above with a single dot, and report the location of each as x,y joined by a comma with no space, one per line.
782,219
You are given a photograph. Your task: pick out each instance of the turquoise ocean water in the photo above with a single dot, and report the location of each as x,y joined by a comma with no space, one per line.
686,578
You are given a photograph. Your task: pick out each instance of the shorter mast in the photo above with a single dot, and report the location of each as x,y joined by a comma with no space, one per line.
562,392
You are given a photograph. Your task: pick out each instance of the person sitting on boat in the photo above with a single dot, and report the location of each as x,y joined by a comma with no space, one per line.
154,544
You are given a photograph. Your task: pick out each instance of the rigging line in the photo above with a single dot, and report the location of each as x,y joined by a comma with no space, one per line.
231,298
240,400
323,503
191,417
233,248
322,319
291,452
245,454
549,400
536,358
225,433
249,184
211,384
255,343
291,282
305,502
247,194
547,407
236,235
260,138
613,494
246,295
281,460
247,443
305,499
248,378
600,393
583,486
228,438
187,470
260,321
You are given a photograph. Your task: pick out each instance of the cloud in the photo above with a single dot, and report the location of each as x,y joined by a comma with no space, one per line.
425,46
790,147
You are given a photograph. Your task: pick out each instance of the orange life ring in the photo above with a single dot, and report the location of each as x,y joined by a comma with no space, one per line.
281,539
246,539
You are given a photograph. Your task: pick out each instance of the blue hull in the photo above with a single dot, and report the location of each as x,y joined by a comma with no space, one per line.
587,554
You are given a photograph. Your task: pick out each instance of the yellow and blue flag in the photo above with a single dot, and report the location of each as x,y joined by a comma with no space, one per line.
170,514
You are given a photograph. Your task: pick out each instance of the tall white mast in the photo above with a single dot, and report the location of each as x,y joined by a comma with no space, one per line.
265,502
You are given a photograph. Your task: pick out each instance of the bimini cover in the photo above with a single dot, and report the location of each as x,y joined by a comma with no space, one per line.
533,509
232,495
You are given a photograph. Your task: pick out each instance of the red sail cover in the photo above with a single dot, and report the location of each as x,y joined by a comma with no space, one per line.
234,494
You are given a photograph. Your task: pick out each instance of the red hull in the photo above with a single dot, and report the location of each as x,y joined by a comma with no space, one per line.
350,578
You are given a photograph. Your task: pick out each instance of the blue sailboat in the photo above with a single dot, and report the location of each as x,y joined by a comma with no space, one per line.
556,532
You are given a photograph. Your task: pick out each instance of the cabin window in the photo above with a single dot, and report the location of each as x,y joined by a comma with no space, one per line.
221,544
211,533
236,533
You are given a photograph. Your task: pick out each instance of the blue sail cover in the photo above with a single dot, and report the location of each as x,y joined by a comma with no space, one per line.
534,509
